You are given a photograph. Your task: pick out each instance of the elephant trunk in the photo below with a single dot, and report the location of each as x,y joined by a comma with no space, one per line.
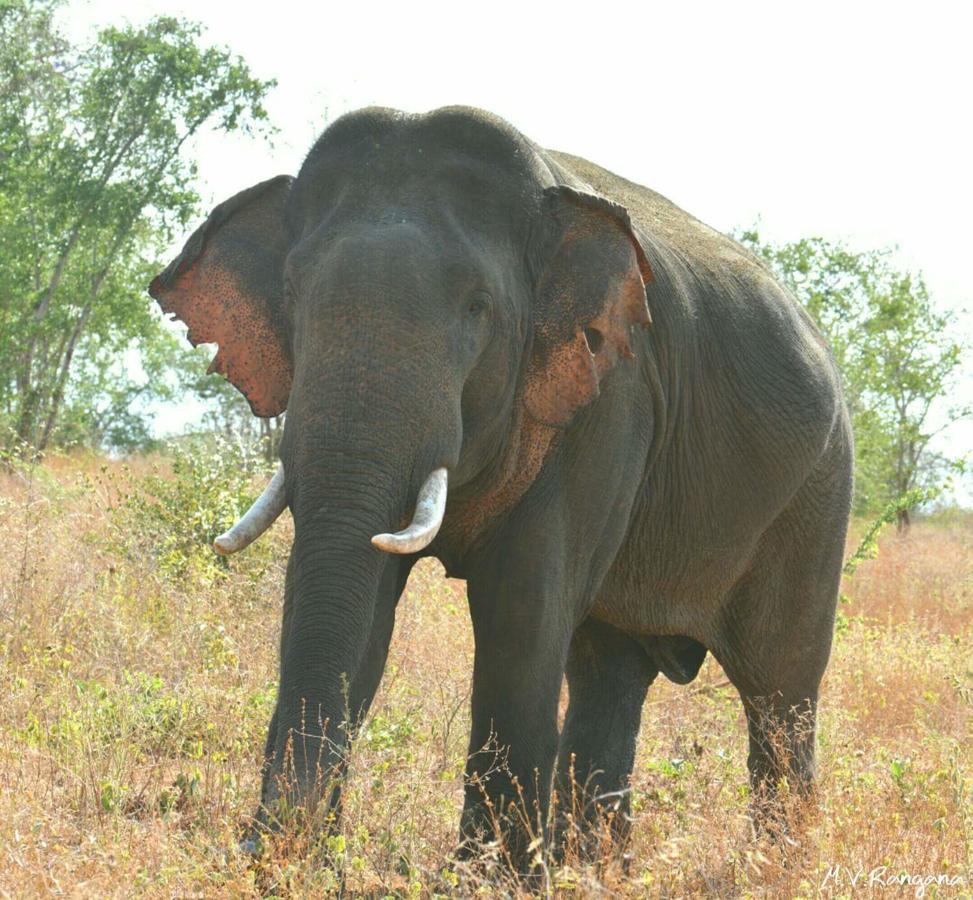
373,423
336,575
343,503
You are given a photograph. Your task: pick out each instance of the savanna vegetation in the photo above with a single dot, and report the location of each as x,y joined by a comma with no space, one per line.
139,670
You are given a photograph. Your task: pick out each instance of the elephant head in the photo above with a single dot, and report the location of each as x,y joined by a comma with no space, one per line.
420,295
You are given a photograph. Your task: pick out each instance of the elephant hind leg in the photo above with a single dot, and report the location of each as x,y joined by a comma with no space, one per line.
608,676
778,682
782,737
777,670
775,633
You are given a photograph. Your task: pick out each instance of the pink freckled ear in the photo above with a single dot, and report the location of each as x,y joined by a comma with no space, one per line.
227,286
590,295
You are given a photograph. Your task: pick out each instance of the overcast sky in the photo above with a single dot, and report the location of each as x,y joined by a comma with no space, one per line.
848,120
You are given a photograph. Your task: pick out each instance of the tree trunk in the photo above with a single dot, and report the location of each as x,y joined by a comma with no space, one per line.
30,394
57,396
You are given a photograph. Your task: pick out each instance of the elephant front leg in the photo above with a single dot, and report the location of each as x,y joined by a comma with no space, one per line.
608,676
530,587
360,692
522,638
513,742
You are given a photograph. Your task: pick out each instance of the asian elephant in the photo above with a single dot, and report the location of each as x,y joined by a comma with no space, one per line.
605,416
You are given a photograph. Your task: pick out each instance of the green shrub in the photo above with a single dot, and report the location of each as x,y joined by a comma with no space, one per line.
175,516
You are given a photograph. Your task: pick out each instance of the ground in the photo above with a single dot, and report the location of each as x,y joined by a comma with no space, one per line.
138,675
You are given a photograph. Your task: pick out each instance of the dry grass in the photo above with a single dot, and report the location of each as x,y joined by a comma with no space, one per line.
136,696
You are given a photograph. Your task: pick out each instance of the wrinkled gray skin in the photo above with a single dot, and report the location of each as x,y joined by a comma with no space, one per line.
697,500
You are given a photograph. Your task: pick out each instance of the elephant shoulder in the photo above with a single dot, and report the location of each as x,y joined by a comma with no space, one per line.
665,227
723,300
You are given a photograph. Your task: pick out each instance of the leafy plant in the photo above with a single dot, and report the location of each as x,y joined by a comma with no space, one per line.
175,515
93,182
868,545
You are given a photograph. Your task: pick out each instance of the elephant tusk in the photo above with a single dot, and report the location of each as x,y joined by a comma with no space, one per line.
426,521
256,520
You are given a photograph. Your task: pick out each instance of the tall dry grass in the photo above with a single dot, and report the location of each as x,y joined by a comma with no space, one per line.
137,689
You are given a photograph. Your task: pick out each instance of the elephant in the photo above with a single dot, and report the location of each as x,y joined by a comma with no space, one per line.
605,416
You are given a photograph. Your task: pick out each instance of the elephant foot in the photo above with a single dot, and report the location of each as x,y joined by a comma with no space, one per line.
594,830
251,845
486,868
497,848
253,840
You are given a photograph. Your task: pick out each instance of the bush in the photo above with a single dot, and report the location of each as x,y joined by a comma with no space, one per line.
175,515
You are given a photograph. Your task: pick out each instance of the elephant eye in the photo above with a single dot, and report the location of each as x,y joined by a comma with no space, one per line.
594,338
479,303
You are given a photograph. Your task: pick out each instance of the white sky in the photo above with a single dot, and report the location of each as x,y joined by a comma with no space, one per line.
848,120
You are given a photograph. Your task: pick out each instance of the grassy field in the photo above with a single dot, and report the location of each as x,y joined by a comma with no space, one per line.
138,676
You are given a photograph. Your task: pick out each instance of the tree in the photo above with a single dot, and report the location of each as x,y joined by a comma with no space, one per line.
897,353
908,360
93,181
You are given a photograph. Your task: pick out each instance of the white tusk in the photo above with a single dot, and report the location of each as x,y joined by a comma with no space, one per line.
428,517
256,520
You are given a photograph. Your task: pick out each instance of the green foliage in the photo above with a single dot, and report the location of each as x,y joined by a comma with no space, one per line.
93,181
141,710
868,546
898,356
174,516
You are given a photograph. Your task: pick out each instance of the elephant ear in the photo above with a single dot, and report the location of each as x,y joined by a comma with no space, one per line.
590,277
227,286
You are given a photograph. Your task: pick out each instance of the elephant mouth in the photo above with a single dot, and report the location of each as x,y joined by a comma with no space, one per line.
426,520
416,536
